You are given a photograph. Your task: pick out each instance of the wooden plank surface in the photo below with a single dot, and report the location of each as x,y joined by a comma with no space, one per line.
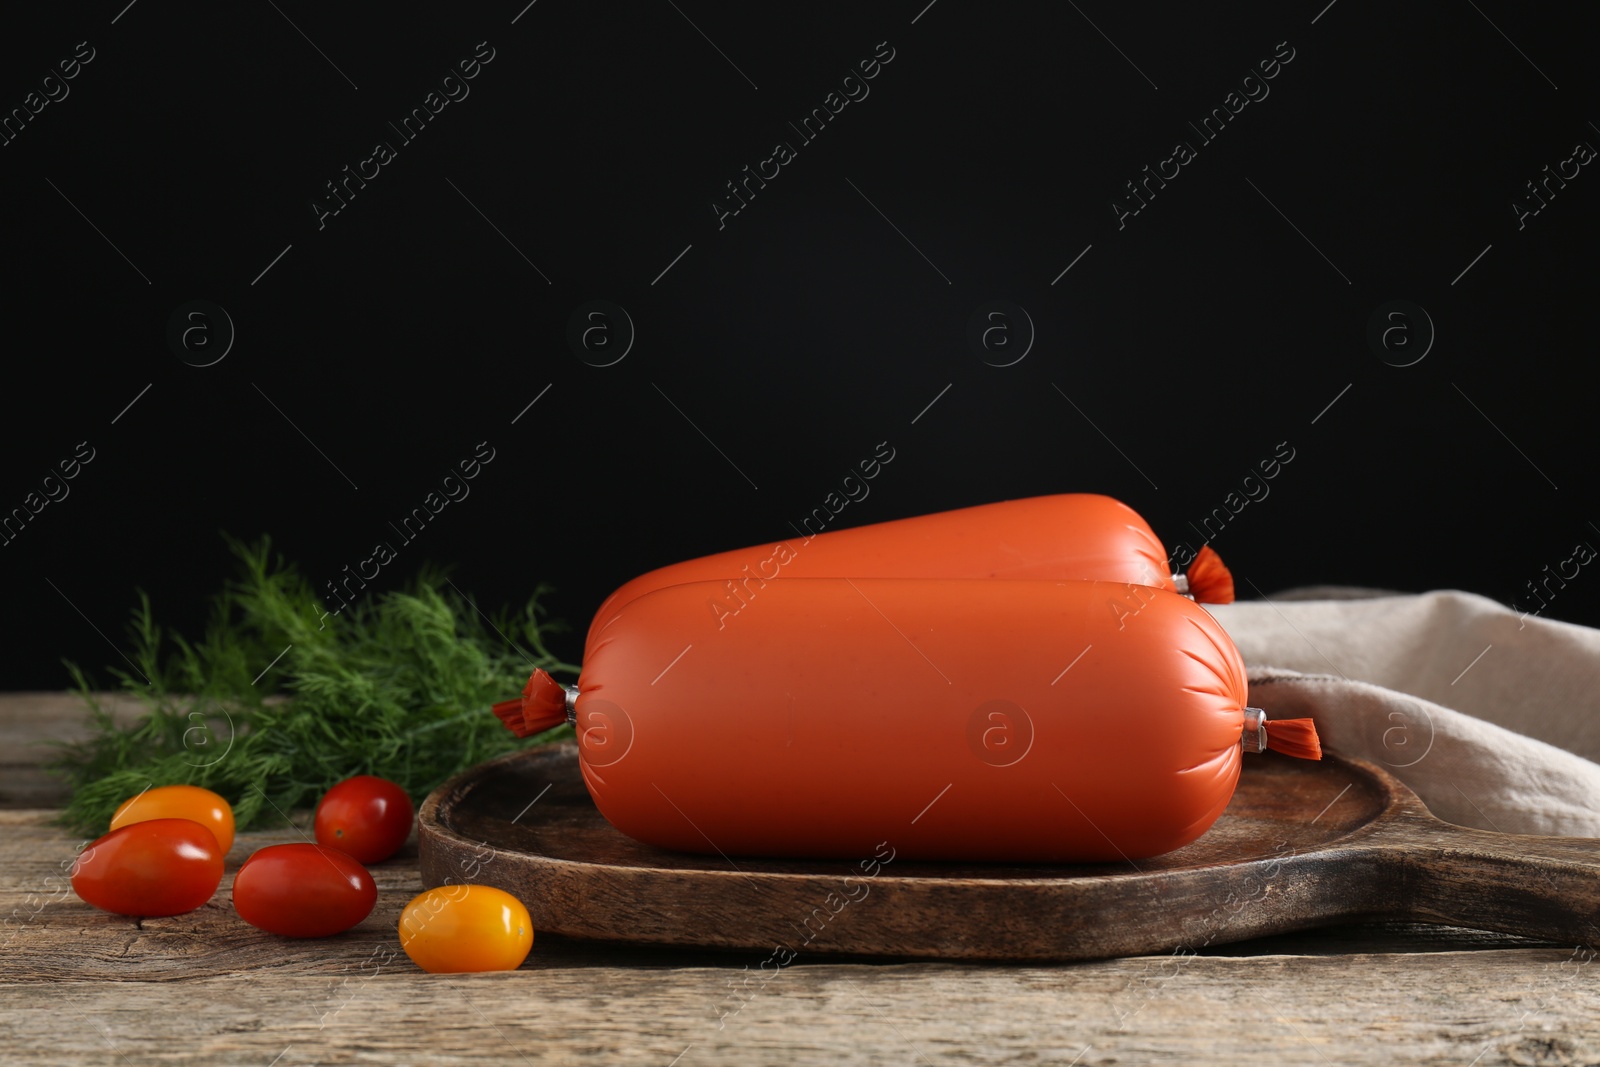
31,724
78,986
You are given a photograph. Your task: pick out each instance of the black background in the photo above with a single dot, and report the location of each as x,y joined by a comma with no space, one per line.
824,318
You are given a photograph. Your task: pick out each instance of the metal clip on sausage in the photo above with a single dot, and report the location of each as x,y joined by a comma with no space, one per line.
1292,737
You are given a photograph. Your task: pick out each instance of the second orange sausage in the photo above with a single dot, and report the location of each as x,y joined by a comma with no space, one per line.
1066,535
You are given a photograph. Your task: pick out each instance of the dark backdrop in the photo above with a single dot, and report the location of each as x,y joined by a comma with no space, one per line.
765,353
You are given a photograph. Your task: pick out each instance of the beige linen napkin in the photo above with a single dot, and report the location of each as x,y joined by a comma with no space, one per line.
1491,716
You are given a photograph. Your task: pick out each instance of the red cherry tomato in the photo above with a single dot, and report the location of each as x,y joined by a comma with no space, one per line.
466,928
367,817
179,802
303,890
152,868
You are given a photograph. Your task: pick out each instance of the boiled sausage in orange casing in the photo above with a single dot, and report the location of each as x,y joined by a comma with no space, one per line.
1066,535
956,719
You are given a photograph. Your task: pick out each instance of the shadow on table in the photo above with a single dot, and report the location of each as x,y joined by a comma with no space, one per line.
1348,939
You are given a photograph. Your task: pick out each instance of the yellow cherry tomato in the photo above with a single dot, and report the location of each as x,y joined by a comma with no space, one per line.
179,802
458,928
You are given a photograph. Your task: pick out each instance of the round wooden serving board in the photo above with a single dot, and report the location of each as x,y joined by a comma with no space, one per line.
1302,844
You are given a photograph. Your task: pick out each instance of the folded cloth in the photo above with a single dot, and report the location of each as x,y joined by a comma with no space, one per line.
1491,716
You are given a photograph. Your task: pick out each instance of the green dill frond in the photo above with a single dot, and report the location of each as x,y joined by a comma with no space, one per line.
279,700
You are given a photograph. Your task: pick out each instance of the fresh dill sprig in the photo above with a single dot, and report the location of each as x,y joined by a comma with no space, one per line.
276,703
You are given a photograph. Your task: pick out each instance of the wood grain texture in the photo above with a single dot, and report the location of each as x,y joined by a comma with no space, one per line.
31,724
1272,1010
1303,843
78,986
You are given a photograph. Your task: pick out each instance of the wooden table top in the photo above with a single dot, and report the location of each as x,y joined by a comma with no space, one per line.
80,986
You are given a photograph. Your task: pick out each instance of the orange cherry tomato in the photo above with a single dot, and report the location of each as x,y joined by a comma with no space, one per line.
366,817
303,890
148,869
466,928
179,802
